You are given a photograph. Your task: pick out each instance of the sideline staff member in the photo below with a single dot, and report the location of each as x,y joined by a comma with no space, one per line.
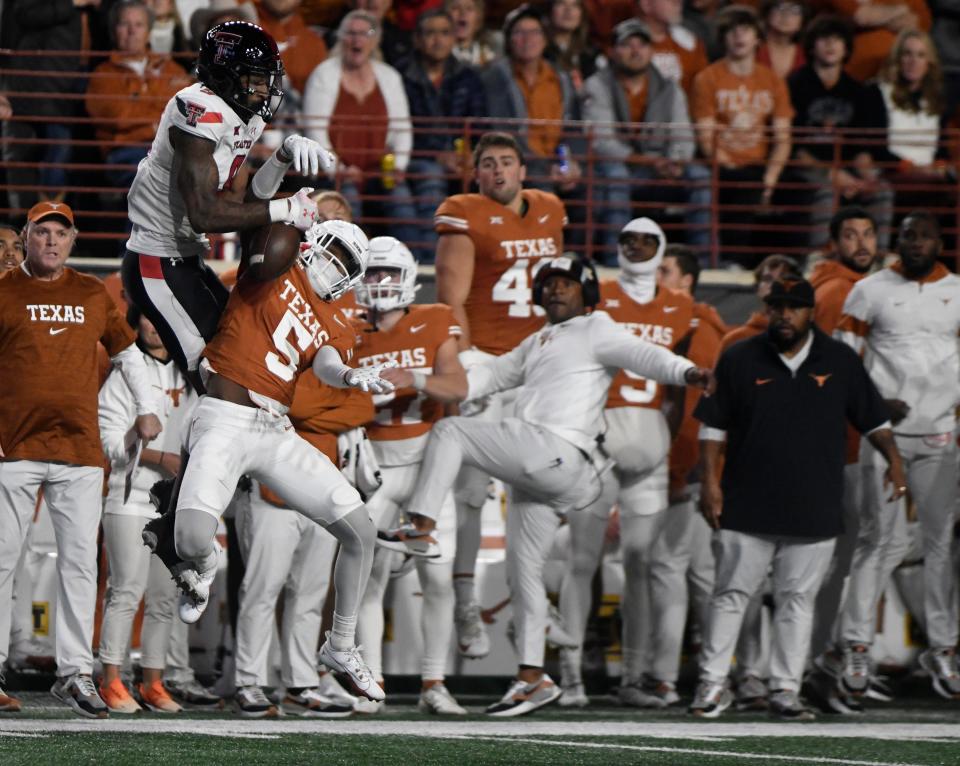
782,402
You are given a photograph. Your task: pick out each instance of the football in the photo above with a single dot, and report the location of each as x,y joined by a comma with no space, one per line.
271,250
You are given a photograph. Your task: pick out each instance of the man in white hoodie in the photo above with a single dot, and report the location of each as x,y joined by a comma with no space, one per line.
637,438
548,451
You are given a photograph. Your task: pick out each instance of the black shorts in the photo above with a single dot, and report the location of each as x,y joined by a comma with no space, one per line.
182,297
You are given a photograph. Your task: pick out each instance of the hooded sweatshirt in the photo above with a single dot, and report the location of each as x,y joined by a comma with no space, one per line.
832,283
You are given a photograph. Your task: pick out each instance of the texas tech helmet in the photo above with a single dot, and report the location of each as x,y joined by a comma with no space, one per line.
574,267
233,53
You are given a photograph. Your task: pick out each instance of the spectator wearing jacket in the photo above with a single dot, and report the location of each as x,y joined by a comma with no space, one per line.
358,108
523,85
126,94
650,164
437,85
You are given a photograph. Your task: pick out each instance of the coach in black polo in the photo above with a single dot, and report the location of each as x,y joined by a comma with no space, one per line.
781,406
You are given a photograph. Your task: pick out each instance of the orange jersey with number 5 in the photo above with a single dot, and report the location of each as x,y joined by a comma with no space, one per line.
271,331
666,320
508,249
412,343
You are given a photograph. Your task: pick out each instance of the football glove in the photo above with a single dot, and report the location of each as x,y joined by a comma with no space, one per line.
307,156
368,379
299,210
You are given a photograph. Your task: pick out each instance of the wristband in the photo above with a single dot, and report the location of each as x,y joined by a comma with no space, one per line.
279,210
419,380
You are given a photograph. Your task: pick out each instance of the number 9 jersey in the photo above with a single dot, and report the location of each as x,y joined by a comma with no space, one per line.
508,249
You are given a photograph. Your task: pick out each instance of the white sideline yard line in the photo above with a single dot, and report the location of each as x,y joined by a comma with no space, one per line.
509,729
689,751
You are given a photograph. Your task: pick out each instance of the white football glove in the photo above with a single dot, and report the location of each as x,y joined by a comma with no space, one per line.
298,210
307,156
368,379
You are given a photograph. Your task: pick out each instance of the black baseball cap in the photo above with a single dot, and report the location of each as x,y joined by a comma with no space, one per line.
791,292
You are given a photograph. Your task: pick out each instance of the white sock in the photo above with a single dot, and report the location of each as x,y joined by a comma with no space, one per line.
463,588
343,632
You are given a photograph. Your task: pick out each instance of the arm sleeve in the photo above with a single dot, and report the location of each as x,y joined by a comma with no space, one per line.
702,103
116,416
318,103
328,366
134,371
854,324
866,409
400,130
451,218
500,374
615,346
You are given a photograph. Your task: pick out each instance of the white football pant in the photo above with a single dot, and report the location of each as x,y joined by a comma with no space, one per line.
638,485
301,574
931,465
548,475
135,574
73,495
436,582
799,566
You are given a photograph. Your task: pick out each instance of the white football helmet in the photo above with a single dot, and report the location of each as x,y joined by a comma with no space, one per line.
389,254
334,256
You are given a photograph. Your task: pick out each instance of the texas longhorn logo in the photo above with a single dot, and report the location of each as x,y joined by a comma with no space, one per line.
821,379
226,42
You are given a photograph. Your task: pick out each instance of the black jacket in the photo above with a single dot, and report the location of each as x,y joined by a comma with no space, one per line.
786,434
461,94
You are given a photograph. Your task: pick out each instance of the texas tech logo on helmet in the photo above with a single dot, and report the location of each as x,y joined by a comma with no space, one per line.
226,43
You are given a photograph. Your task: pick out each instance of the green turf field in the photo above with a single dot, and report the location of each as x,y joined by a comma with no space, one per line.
922,733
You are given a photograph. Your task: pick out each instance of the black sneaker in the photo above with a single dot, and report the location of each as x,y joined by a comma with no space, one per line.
158,534
194,695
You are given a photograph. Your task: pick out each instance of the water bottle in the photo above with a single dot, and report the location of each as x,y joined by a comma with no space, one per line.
387,167
563,158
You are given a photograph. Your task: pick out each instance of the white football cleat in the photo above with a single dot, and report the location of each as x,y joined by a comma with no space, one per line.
351,664
409,540
574,696
557,635
472,639
522,697
195,589
439,701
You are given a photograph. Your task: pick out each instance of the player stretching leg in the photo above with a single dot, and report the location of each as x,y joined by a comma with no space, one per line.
271,332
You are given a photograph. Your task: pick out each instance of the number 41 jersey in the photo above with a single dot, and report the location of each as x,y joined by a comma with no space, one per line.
156,208
508,249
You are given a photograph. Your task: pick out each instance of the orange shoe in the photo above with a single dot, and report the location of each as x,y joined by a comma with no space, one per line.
118,699
156,698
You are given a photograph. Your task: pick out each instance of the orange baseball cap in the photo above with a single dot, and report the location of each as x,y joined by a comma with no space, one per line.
46,209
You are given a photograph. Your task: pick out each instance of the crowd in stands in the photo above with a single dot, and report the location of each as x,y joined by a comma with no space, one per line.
398,90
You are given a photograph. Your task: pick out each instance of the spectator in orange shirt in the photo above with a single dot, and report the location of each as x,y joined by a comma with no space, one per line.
300,47
783,21
11,247
678,53
878,23
126,95
771,269
735,103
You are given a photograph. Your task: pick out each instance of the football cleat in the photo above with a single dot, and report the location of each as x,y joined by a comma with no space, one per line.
79,693
574,696
941,664
365,706
156,698
785,704
855,674
253,703
710,700
351,664
191,694
117,699
195,589
410,541
472,639
557,635
522,697
310,703
158,533
438,701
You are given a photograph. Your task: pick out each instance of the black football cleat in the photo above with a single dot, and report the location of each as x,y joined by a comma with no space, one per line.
158,534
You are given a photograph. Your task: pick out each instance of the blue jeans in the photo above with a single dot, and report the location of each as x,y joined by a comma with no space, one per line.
624,185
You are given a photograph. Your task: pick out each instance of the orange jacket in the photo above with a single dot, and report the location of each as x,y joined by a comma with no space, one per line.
127,106
832,283
756,324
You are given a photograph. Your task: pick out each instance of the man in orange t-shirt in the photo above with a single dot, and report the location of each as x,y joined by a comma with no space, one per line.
51,319
735,103
678,54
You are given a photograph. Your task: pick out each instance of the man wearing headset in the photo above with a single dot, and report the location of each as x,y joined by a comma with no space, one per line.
547,451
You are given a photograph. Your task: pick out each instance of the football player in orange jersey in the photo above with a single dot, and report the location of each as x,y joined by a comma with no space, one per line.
637,437
422,340
490,246
272,332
